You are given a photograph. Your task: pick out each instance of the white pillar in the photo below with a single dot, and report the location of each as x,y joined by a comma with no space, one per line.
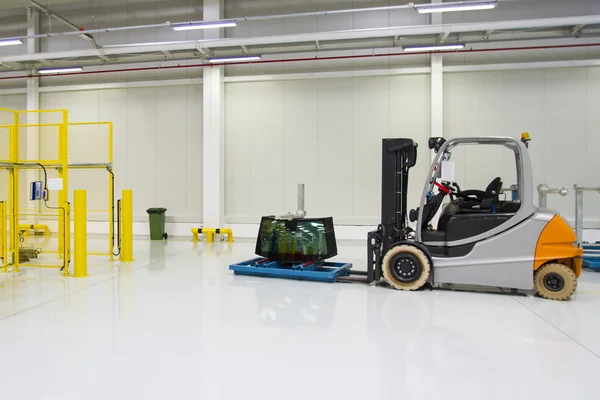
33,103
213,165
33,47
437,87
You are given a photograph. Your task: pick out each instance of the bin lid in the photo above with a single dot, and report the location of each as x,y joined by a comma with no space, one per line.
156,210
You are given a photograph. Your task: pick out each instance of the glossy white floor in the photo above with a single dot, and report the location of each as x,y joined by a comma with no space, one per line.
176,324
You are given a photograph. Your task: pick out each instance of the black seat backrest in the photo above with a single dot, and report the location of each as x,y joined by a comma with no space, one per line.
449,210
492,191
432,207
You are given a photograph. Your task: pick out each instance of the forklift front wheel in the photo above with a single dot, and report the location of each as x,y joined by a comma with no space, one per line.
555,281
406,267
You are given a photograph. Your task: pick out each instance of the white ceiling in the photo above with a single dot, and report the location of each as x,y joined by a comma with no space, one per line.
9,4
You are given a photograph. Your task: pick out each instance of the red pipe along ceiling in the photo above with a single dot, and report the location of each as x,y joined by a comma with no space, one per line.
290,60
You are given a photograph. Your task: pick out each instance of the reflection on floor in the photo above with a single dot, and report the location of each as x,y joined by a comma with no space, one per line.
176,324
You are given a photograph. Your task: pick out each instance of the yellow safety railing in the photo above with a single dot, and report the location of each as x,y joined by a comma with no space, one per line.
105,163
16,162
50,128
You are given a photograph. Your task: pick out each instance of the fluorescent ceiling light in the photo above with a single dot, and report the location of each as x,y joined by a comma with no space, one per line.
434,47
10,42
204,25
59,70
116,46
234,59
441,7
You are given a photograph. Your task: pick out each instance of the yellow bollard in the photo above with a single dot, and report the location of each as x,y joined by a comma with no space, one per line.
127,226
3,248
80,198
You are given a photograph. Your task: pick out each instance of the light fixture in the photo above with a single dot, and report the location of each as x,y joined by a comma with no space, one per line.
434,47
450,7
60,70
10,42
234,59
204,25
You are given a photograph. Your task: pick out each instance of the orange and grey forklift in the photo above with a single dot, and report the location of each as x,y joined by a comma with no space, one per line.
479,239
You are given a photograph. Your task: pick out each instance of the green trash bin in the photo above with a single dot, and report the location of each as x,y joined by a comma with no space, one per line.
157,223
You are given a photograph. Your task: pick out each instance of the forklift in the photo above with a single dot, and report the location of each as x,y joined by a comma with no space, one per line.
479,239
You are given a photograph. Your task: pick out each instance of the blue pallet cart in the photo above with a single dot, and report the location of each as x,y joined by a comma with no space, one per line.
591,256
324,271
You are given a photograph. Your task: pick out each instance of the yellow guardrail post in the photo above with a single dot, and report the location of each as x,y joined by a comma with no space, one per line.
80,268
210,232
127,226
227,231
3,248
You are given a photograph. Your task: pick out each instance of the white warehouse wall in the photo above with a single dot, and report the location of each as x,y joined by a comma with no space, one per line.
157,145
324,133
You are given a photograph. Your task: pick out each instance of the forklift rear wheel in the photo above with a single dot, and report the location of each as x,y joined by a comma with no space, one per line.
555,281
406,267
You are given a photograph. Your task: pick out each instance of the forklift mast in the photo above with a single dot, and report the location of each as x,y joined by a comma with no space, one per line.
398,156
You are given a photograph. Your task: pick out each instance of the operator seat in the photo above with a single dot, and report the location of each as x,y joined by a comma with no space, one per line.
429,210
479,199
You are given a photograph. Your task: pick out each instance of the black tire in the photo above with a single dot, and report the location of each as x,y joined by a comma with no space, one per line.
555,281
406,267
165,235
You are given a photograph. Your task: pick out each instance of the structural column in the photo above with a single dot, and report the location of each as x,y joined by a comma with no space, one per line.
437,88
33,103
213,130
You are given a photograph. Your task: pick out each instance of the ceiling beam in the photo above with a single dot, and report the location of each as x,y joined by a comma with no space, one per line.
205,46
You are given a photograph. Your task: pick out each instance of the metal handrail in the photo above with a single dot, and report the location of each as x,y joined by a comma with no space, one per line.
579,208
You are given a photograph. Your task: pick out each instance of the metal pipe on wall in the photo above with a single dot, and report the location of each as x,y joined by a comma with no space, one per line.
544,191
301,210
78,30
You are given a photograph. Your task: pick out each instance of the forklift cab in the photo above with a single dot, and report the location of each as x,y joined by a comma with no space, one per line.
468,216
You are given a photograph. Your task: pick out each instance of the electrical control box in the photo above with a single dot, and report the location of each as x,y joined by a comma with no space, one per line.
36,189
